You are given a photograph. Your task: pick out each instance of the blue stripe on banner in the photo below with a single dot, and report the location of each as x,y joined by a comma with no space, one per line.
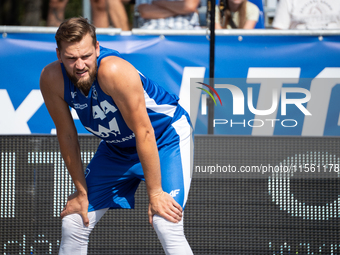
163,59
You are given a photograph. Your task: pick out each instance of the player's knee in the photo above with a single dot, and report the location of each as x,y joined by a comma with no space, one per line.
171,236
73,229
166,230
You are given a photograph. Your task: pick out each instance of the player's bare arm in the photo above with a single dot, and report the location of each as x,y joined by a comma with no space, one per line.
121,81
52,88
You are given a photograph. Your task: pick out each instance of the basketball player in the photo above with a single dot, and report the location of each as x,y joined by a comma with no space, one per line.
145,136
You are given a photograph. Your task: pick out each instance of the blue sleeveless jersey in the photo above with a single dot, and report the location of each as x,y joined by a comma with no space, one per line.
100,115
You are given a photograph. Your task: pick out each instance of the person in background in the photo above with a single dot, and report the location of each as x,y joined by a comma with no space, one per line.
168,14
236,14
100,16
118,15
102,12
307,14
105,10
56,12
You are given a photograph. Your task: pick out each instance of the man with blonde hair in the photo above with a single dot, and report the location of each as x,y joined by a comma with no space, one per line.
145,136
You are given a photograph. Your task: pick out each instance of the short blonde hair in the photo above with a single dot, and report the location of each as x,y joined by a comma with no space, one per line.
73,30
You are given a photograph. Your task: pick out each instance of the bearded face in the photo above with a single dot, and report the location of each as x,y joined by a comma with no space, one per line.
80,62
83,79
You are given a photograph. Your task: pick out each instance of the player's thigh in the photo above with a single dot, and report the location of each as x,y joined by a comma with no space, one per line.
176,161
109,180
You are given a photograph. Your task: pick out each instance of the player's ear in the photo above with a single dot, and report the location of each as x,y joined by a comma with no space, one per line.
58,55
97,49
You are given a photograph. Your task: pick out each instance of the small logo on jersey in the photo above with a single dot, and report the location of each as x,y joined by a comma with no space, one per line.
80,106
174,192
73,94
87,172
94,93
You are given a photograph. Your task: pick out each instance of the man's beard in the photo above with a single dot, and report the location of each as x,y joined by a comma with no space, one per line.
84,84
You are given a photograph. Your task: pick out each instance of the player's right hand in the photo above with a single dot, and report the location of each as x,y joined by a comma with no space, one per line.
77,203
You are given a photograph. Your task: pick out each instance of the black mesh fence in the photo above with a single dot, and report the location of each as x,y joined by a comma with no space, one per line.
249,195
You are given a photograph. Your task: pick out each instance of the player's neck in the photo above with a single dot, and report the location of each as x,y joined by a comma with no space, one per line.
85,90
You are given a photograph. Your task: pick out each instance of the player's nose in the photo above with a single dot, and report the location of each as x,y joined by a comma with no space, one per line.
80,64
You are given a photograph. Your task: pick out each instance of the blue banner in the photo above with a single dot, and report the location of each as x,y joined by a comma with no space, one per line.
288,85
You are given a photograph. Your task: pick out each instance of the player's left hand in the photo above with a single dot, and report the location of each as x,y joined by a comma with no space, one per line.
77,203
165,206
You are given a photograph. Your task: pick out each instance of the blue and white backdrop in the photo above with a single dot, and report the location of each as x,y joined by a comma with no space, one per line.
268,84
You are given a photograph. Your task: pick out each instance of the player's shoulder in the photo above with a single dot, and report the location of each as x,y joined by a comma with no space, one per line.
52,71
115,73
51,76
114,66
